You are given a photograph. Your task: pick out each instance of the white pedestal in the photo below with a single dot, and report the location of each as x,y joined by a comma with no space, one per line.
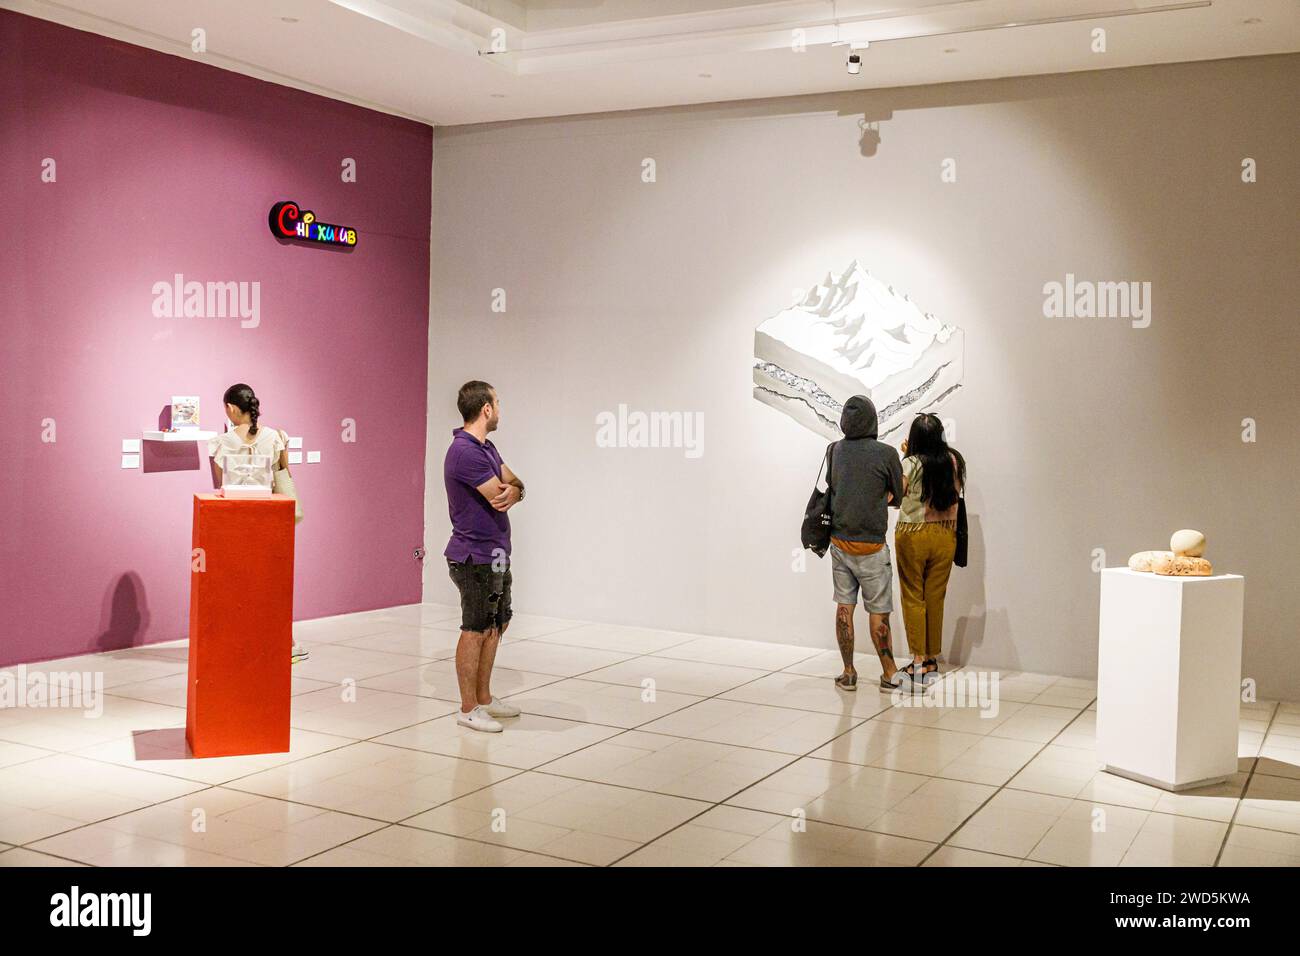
1169,677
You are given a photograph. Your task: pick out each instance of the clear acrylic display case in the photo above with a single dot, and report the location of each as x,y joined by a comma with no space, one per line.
246,476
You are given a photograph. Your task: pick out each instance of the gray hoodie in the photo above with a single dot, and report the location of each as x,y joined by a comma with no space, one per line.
864,472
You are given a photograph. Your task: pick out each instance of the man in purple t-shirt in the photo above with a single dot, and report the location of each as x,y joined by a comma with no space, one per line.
481,488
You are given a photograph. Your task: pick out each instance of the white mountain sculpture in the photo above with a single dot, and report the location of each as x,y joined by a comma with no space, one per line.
854,335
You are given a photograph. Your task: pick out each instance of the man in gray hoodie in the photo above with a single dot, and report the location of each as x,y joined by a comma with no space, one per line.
866,478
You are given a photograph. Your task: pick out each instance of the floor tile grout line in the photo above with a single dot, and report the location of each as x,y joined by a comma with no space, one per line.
582,675
205,785
539,767
1003,786
587,676
521,771
1245,787
452,836
723,802
540,638
382,825
621,731
225,784
928,776
202,785
56,856
30,844
795,759
558,680
1103,803
451,634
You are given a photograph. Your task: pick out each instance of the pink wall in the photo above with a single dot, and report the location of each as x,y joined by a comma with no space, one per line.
168,166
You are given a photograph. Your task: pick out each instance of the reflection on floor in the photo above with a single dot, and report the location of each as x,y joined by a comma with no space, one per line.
637,747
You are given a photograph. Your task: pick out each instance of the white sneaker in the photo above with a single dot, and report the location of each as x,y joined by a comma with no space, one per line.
479,719
298,653
501,708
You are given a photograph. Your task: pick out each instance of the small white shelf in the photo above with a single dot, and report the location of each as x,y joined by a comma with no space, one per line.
179,436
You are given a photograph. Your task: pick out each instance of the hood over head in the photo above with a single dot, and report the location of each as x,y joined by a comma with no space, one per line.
858,420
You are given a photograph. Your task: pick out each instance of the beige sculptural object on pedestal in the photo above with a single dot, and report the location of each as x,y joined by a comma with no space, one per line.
1187,547
1183,565
1187,543
1183,559
1143,560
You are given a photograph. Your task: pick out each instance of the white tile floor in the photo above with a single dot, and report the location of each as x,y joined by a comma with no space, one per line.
637,748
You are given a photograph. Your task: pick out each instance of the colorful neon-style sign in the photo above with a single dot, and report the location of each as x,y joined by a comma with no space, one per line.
290,222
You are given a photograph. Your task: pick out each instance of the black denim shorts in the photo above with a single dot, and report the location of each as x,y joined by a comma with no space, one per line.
484,595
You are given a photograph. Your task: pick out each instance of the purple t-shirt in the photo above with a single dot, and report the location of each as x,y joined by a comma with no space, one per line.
479,533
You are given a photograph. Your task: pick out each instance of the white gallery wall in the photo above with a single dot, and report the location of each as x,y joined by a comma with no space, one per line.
587,263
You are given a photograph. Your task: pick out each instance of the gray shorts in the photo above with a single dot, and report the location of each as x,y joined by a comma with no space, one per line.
873,573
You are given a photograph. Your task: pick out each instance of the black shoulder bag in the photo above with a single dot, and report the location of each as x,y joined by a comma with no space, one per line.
963,534
963,529
816,532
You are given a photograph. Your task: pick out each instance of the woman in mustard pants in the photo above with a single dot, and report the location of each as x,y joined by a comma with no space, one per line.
925,541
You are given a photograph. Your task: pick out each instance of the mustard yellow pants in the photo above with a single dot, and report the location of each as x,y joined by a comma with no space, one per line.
924,553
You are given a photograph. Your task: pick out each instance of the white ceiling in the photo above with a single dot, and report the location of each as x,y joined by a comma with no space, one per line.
432,60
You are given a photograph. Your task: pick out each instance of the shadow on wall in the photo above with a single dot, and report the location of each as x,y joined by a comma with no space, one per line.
170,456
869,142
966,605
128,616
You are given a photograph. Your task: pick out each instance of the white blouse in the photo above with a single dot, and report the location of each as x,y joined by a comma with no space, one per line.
267,441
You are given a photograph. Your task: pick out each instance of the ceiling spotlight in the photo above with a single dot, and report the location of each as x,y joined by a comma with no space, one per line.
854,64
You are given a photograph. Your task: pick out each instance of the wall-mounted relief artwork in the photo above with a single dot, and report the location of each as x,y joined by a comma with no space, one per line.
855,335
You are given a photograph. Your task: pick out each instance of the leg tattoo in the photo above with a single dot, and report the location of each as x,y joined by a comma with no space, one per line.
883,640
844,634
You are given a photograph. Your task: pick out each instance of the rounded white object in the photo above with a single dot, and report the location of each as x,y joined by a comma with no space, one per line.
1187,543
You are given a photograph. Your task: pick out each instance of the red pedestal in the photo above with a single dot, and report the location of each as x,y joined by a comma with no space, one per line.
241,626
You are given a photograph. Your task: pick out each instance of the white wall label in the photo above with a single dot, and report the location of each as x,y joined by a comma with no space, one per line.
295,458
130,444
313,457
130,461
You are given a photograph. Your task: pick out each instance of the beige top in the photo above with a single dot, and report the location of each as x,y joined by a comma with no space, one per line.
267,441
912,510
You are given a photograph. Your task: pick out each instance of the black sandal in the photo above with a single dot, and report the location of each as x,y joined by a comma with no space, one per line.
910,673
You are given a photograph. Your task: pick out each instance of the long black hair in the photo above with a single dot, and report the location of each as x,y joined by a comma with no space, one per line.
242,397
938,474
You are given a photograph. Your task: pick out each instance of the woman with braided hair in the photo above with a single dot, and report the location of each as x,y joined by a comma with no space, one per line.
247,437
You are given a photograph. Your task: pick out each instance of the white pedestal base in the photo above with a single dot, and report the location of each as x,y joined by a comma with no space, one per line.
1169,677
